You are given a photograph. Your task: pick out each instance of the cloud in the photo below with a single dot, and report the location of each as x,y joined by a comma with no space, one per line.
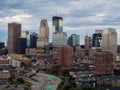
15,18
78,15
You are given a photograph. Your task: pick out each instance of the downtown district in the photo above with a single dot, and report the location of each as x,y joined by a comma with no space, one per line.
29,59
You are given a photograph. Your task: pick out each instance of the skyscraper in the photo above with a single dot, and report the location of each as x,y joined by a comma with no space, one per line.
32,40
14,32
88,42
74,40
109,40
2,45
22,45
44,29
97,40
59,39
57,24
43,37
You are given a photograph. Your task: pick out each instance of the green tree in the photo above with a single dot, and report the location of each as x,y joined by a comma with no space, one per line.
21,81
72,88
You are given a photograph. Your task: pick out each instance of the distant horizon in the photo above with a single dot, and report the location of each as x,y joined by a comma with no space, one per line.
5,34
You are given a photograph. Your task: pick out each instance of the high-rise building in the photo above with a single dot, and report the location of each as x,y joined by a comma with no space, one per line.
2,45
57,24
14,32
44,29
109,40
28,41
74,40
65,55
103,63
22,45
88,42
43,37
59,39
32,40
24,34
97,40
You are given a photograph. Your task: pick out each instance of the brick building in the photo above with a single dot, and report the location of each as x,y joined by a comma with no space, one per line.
65,55
103,63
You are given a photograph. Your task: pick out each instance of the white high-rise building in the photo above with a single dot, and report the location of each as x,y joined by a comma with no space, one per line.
109,40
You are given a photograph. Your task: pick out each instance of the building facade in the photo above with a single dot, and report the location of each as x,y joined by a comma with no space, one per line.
2,45
109,40
97,40
43,37
88,42
59,39
74,40
65,55
44,29
14,32
22,45
32,40
57,24
103,63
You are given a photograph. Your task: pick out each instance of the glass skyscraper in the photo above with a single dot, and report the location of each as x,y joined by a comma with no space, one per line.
57,23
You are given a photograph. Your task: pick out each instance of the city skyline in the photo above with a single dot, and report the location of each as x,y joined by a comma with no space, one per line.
79,16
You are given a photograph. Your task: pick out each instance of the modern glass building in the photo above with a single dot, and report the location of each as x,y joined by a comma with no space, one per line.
32,40
22,45
2,45
74,40
57,24
97,40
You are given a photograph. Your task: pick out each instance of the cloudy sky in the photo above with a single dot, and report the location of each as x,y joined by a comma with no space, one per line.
79,16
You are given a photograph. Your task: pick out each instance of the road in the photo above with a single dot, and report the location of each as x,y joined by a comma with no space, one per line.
43,82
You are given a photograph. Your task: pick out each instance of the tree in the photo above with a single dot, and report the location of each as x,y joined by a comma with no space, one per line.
72,88
21,81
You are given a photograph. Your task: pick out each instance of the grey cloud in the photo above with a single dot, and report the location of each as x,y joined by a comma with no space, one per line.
76,13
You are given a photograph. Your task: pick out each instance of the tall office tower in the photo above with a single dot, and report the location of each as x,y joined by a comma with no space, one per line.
43,37
59,39
69,42
22,45
97,40
57,24
44,29
32,40
88,42
74,40
14,32
109,40
24,34
2,45
65,55
103,63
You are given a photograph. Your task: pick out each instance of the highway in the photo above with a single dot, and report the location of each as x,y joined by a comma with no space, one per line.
44,82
